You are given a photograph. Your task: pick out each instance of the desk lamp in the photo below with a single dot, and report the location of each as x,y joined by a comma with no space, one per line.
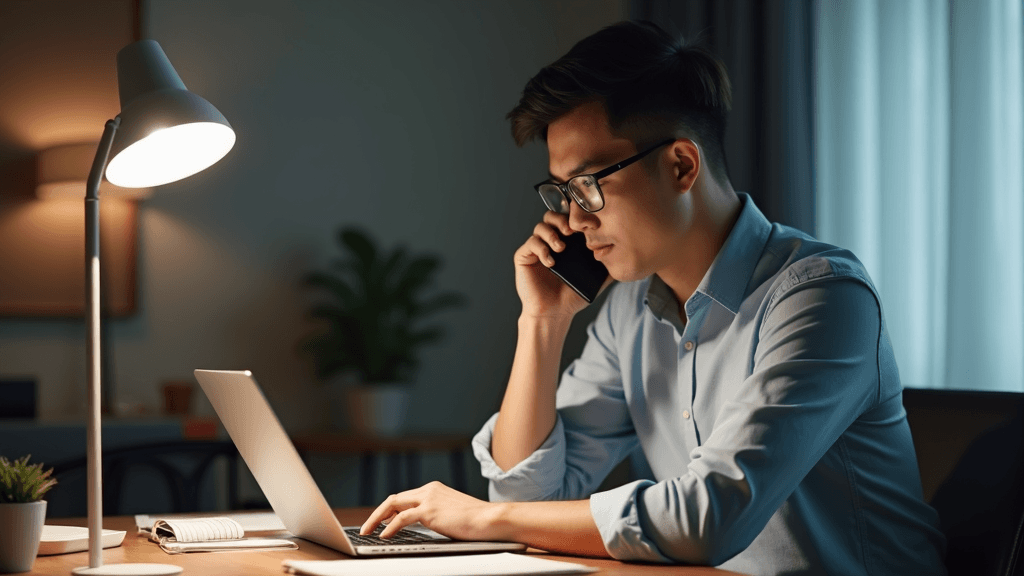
164,133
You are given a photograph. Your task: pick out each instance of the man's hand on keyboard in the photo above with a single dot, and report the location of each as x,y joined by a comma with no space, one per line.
440,508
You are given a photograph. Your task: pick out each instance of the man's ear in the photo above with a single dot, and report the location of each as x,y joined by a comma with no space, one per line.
686,163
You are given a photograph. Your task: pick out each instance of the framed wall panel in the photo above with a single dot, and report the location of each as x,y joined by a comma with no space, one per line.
57,62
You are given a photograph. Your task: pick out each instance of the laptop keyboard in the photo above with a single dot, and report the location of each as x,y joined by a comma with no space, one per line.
402,537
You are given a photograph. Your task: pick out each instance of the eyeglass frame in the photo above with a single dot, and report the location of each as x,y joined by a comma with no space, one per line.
567,192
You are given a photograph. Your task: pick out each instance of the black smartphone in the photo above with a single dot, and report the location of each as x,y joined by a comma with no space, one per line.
578,268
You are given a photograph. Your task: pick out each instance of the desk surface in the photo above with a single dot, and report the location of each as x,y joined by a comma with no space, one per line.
138,549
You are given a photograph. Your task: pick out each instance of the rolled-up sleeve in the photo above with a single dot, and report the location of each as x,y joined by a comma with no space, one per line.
534,478
617,515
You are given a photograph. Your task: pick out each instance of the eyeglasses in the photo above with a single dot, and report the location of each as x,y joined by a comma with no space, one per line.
584,188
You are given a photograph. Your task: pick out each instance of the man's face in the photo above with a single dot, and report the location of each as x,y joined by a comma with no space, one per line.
634,234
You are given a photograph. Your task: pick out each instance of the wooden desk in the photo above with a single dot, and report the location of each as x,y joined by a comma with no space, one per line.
138,549
408,447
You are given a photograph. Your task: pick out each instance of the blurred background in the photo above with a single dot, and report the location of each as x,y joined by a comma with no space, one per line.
891,128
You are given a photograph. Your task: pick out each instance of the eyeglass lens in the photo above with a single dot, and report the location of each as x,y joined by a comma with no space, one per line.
584,190
553,198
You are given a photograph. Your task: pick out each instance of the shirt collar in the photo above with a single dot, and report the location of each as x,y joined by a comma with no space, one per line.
661,301
726,280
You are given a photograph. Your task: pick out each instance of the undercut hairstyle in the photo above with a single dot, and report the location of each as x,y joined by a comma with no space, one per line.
651,84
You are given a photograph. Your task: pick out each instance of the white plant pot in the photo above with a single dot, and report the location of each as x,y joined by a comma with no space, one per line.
21,527
377,410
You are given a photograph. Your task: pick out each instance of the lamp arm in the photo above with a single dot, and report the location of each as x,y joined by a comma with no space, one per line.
94,444
99,163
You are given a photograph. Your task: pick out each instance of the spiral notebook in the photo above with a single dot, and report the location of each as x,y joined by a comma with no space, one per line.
180,535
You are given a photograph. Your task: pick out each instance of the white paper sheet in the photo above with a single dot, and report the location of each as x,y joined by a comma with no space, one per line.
250,521
502,564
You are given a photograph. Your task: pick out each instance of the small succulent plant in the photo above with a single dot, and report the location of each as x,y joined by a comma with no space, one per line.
21,482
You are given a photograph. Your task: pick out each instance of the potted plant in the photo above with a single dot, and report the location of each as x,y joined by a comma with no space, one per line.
373,316
22,512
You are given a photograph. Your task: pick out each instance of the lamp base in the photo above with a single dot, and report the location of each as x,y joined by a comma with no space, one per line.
138,569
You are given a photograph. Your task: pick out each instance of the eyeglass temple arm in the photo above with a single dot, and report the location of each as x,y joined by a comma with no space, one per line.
606,171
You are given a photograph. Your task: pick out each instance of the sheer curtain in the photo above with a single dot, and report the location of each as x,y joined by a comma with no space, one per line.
919,147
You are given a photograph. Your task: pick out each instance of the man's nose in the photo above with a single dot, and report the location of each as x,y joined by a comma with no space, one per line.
580,219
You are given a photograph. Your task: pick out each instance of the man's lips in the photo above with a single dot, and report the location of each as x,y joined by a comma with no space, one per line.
599,249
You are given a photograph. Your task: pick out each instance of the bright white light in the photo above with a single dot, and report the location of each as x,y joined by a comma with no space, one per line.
170,154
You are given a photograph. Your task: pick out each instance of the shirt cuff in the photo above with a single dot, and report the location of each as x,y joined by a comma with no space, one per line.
618,519
537,477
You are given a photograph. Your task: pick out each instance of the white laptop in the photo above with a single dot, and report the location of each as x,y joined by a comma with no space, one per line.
290,488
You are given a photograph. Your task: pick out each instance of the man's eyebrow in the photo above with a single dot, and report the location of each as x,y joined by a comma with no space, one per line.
574,172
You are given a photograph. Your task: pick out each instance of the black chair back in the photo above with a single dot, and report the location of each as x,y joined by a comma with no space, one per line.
981,500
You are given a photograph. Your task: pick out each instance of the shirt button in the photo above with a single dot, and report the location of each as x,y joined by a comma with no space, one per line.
686,414
688,345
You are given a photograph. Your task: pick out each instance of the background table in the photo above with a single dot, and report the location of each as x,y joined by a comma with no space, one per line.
409,448
137,548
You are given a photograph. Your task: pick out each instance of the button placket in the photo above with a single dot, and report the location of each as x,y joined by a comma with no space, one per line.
687,382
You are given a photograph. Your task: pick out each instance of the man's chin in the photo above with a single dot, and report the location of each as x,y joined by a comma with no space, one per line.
624,274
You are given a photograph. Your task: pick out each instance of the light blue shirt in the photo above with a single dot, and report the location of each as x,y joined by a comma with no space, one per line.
772,418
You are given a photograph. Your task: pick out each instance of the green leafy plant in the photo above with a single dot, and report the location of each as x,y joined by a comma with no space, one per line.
376,304
21,482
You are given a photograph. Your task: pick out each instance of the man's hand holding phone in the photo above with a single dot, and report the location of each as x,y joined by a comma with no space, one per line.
578,278
527,413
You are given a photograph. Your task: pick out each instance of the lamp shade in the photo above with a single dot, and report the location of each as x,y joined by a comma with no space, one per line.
166,133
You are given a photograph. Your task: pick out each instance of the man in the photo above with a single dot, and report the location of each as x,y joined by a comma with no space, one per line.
749,362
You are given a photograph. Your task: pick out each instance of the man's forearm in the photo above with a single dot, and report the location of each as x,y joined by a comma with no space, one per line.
563,527
528,410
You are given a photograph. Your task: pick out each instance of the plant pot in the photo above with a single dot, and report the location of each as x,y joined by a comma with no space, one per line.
378,409
21,527
177,397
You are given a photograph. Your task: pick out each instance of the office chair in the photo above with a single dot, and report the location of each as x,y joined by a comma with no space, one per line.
981,505
981,501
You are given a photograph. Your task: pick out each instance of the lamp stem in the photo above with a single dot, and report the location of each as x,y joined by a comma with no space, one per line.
94,444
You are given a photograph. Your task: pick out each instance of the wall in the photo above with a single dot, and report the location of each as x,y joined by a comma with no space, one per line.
57,86
389,115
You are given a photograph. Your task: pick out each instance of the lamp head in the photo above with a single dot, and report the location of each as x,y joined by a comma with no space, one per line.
166,133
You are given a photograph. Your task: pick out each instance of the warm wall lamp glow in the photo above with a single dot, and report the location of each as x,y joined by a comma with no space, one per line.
163,133
61,174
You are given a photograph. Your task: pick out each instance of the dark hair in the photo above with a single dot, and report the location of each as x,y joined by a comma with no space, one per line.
648,81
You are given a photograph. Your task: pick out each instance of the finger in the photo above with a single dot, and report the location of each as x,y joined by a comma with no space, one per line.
401,520
524,256
540,250
549,234
382,511
389,507
532,251
558,221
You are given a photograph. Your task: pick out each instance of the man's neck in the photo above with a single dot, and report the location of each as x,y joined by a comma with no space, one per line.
715,214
